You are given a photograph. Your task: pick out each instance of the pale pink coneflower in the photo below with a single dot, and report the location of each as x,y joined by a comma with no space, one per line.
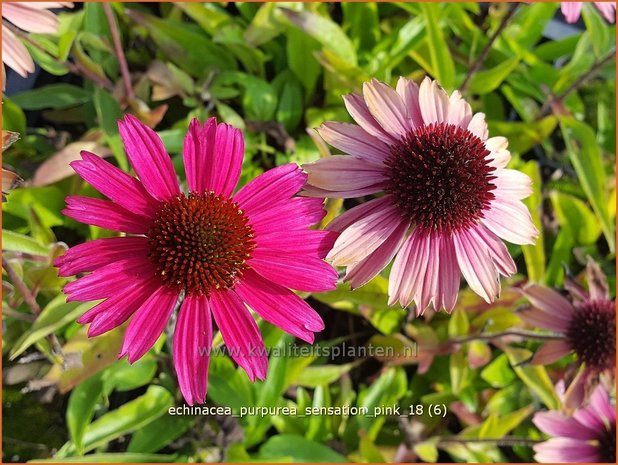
587,436
218,250
587,324
573,10
448,198
30,17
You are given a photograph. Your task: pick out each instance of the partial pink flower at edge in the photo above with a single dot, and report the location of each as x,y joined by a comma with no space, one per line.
572,10
222,251
447,199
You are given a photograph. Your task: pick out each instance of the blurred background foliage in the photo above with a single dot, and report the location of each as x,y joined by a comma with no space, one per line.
277,70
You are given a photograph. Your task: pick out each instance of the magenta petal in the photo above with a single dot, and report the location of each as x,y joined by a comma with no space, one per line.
104,214
94,254
599,402
362,272
192,343
271,188
354,140
300,272
240,333
550,352
196,154
279,306
149,159
557,424
540,319
115,184
148,323
550,302
314,243
296,213
565,450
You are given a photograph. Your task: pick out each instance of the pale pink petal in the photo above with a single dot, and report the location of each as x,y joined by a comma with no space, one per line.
409,92
549,353
213,157
365,235
341,174
571,11
360,211
599,402
565,450
459,111
497,251
300,272
588,416
512,184
557,424
478,126
448,279
540,319
191,348
357,108
510,220
607,10
406,272
29,19
148,323
240,333
387,108
427,289
115,184
549,301
499,156
476,264
271,188
94,254
314,243
279,306
362,272
149,159
434,102
104,214
354,140
15,55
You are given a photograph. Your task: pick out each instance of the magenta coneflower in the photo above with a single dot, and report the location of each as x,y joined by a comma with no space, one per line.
588,436
572,10
218,250
587,324
448,196
31,17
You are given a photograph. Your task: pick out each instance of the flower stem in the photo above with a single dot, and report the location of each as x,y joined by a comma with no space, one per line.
510,332
506,441
122,61
481,58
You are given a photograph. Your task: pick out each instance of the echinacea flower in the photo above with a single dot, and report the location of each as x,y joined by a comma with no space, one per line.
31,17
448,198
218,250
587,324
588,436
572,10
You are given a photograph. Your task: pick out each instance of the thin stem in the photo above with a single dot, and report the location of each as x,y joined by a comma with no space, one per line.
510,332
506,441
545,109
18,315
122,61
481,58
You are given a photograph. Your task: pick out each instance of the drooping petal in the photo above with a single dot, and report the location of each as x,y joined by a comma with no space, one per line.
29,19
448,278
148,323
213,157
409,92
94,254
104,214
149,159
549,301
512,184
357,108
476,264
571,11
557,424
599,402
405,275
510,220
387,108
362,272
607,10
354,140
434,102
240,333
550,352
497,250
191,348
294,271
360,211
540,319
565,450
15,54
279,306
115,184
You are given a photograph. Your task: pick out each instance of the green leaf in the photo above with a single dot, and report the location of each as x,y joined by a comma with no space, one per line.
297,449
575,215
315,376
80,409
130,417
598,30
458,370
259,98
13,117
587,160
160,433
458,324
427,450
534,255
55,315
523,136
442,65
123,376
52,96
325,31
16,242
290,108
362,23
534,376
489,80
108,113
123,457
499,373
300,51
369,452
